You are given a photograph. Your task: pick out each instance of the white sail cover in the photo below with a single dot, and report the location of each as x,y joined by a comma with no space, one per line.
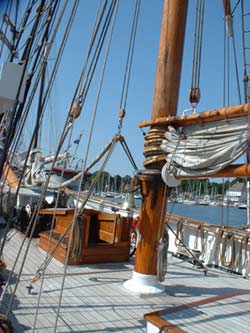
204,149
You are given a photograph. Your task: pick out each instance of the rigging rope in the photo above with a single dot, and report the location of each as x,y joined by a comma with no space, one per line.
84,166
246,69
15,142
17,110
127,74
124,145
126,80
77,213
37,276
49,257
76,106
32,221
30,230
23,119
81,95
95,29
84,169
129,155
113,17
194,94
7,226
163,240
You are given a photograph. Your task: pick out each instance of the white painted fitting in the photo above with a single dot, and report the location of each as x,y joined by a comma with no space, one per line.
144,284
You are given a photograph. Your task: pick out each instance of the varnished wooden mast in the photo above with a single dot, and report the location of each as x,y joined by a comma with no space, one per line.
164,104
169,59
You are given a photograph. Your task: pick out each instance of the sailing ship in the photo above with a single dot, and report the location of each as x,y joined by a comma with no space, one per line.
86,236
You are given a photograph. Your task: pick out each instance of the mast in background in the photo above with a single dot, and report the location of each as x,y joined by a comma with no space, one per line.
228,18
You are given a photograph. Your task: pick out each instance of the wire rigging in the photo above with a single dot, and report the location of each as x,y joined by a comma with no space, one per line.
130,55
15,144
22,113
81,97
194,93
32,222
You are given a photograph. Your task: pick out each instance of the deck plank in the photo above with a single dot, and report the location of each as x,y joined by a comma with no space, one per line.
94,299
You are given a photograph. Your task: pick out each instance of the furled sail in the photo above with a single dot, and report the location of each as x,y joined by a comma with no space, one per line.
204,149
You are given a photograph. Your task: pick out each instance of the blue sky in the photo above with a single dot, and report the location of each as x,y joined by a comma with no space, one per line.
141,88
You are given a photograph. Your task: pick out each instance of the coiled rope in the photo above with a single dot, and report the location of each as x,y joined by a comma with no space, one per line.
242,259
162,256
179,239
163,242
200,232
78,237
228,241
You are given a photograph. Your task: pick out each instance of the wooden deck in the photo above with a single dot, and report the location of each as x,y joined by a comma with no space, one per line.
94,299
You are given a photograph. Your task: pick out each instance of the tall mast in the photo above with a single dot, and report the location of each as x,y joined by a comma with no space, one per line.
165,102
169,59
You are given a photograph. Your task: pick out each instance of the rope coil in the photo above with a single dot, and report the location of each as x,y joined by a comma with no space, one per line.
162,257
242,260
200,232
179,239
152,151
228,239
78,238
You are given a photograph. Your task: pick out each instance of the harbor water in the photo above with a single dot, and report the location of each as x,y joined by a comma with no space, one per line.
228,216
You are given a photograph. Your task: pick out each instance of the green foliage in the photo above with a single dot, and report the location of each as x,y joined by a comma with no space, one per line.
206,185
117,183
107,182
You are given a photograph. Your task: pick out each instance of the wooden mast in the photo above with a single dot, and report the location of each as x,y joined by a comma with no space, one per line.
164,104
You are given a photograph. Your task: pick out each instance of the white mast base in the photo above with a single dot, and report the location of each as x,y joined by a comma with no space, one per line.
144,284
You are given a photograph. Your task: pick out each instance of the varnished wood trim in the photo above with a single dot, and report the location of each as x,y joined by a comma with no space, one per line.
56,211
155,317
234,170
229,112
162,324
